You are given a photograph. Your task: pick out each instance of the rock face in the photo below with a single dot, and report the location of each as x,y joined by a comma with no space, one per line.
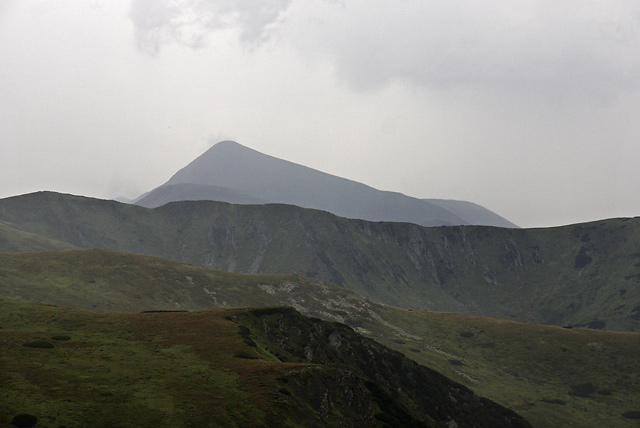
383,385
230,172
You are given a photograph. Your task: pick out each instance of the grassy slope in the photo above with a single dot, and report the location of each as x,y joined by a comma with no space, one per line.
190,369
106,280
12,239
516,364
121,370
582,274
520,365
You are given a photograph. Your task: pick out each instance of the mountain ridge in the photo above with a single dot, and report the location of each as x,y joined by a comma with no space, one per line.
587,274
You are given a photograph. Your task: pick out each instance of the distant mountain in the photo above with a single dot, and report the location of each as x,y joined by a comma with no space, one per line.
587,274
472,213
125,200
194,192
242,175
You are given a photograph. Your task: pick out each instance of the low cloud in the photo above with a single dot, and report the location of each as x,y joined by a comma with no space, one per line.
191,22
532,46
498,43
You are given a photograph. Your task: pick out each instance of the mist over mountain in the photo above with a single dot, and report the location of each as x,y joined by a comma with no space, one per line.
230,172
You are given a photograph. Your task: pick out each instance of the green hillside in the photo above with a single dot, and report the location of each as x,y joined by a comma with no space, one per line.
553,376
105,280
70,368
582,275
12,239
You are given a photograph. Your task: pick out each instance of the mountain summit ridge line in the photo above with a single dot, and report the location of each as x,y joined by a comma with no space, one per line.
238,174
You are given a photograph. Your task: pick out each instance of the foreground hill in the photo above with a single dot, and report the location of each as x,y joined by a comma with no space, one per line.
230,172
583,275
554,377
250,368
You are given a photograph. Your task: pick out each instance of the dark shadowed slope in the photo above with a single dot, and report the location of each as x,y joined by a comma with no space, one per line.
230,165
472,213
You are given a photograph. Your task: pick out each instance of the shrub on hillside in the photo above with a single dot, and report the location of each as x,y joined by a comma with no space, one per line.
582,258
632,414
61,337
38,344
583,390
24,420
246,354
597,324
284,391
553,401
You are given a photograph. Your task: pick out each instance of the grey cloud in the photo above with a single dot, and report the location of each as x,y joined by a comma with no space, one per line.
190,22
560,46
538,46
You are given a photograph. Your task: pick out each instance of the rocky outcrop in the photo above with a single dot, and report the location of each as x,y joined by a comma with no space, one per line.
387,388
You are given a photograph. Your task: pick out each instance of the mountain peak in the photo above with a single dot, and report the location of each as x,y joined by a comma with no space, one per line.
232,146
227,144
217,156
245,171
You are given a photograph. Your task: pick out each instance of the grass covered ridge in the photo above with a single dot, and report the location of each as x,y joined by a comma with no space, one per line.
186,369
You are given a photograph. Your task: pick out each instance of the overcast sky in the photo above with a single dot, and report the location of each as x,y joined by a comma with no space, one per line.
529,108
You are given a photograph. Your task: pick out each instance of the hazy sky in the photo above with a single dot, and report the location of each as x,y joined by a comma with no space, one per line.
529,108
